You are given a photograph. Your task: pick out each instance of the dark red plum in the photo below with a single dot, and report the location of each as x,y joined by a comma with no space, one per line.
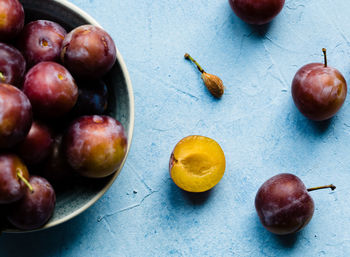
95,146
318,90
88,52
40,41
12,65
284,204
35,208
15,116
92,99
12,187
51,90
57,170
11,19
257,12
37,145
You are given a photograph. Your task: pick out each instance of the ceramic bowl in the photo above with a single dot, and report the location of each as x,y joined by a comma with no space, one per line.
85,193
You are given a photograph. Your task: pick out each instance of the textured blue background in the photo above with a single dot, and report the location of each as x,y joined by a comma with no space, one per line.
256,123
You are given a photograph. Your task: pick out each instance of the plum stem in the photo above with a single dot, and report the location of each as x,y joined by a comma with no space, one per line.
2,76
331,186
189,57
324,50
19,174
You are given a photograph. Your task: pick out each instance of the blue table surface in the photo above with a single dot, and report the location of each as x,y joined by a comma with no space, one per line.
256,123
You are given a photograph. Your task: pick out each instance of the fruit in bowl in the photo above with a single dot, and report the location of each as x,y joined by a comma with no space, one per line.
12,19
95,145
40,41
48,92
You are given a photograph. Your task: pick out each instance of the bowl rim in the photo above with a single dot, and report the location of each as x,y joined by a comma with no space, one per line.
125,72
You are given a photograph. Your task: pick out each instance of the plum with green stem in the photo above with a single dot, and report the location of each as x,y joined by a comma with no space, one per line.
284,204
35,208
14,178
318,90
12,65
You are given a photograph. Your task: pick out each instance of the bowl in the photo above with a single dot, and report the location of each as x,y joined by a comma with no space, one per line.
85,193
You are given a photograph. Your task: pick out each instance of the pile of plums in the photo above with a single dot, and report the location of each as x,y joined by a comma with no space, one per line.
52,113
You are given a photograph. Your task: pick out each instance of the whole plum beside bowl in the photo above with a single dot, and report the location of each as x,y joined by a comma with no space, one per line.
257,12
284,204
81,194
319,90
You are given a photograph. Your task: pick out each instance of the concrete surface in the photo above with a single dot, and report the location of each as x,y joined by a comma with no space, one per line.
256,123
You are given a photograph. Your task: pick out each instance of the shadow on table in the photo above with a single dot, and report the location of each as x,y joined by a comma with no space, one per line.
305,125
47,243
178,196
286,241
257,30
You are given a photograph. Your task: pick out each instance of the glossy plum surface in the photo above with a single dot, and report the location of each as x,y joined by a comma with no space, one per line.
15,116
35,208
51,89
257,12
12,65
56,170
40,41
12,188
92,99
11,19
283,204
318,91
37,145
88,52
95,145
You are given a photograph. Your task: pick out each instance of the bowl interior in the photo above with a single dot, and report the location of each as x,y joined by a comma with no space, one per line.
74,200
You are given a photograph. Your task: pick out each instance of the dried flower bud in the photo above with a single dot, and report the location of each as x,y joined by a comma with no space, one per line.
212,82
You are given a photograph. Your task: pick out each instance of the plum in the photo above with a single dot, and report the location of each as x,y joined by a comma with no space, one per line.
37,145
284,205
92,99
15,116
318,90
12,65
11,19
88,52
35,208
95,146
41,40
56,169
51,90
257,12
13,173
